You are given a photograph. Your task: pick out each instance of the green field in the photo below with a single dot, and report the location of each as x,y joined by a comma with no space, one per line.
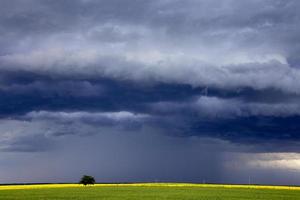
148,192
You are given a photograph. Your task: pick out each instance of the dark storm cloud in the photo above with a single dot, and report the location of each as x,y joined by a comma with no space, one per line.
143,41
178,110
81,72
23,94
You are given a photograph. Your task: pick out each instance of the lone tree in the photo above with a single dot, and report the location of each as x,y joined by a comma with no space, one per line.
87,180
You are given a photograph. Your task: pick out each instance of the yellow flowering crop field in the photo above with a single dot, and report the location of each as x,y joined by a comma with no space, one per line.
45,186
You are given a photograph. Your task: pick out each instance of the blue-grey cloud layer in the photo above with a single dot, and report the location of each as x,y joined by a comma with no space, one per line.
228,71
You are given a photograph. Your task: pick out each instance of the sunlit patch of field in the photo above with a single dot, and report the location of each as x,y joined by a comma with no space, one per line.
148,191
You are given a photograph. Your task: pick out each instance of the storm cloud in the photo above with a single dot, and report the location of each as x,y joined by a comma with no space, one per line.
165,78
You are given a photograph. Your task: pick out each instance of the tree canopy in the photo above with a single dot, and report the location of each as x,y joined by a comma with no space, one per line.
87,180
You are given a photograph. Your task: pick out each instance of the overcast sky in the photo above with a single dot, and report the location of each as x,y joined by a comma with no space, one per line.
160,90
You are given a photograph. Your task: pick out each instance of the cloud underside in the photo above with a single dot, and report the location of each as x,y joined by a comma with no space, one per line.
224,70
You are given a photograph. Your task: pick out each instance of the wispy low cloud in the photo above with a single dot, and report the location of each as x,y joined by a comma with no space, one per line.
38,131
23,136
86,116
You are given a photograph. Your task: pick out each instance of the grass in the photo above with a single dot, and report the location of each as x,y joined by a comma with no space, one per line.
147,192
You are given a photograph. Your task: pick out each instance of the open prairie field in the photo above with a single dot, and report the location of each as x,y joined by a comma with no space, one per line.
147,192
